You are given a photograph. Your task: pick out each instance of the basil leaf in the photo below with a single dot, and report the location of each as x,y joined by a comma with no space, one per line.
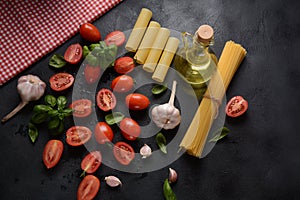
57,61
92,60
114,118
53,113
85,51
168,192
61,102
32,132
161,142
53,123
39,118
93,46
61,127
158,89
67,112
41,108
219,134
50,100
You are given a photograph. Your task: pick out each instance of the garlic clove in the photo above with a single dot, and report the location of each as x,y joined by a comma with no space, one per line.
112,181
172,175
145,151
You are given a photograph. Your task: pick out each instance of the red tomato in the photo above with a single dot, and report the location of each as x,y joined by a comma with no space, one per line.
52,153
88,188
78,135
91,162
90,32
124,65
123,153
81,108
115,37
61,81
106,100
122,83
137,101
236,106
91,73
103,133
73,54
130,129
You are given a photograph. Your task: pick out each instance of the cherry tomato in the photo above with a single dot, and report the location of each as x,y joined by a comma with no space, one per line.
81,108
115,37
73,54
91,162
236,106
91,73
130,129
52,153
90,32
122,83
123,153
124,65
103,133
61,81
106,100
88,188
137,101
78,135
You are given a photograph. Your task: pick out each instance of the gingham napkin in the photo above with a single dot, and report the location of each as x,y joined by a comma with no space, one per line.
29,29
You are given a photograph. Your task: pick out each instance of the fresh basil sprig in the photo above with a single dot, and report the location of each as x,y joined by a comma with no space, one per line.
57,61
53,112
168,192
161,142
114,118
219,134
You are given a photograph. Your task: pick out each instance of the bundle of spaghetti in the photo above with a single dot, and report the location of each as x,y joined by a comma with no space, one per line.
196,135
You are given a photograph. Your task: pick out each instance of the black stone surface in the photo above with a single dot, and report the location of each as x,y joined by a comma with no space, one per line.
258,160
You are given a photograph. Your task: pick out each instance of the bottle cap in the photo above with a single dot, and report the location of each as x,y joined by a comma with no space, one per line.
205,33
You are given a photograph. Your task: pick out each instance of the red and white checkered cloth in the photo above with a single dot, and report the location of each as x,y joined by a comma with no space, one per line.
29,29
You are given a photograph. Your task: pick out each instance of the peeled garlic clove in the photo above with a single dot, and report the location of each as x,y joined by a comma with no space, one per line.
112,181
145,151
172,175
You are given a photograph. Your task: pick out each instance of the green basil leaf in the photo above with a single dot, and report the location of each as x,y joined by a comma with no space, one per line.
41,108
50,100
168,192
61,116
61,102
161,142
57,61
93,46
219,134
67,112
158,89
92,60
61,127
85,51
33,132
39,118
53,123
53,113
114,118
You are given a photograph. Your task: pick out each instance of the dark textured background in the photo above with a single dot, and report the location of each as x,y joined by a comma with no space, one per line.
258,160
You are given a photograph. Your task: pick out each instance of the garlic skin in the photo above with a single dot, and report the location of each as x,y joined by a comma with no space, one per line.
112,181
167,116
172,175
145,151
30,88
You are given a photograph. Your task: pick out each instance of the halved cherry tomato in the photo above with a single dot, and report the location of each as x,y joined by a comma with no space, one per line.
78,135
115,37
90,32
91,162
137,101
106,100
73,54
122,83
103,133
61,81
88,188
81,107
130,129
236,106
124,65
123,153
91,73
52,153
